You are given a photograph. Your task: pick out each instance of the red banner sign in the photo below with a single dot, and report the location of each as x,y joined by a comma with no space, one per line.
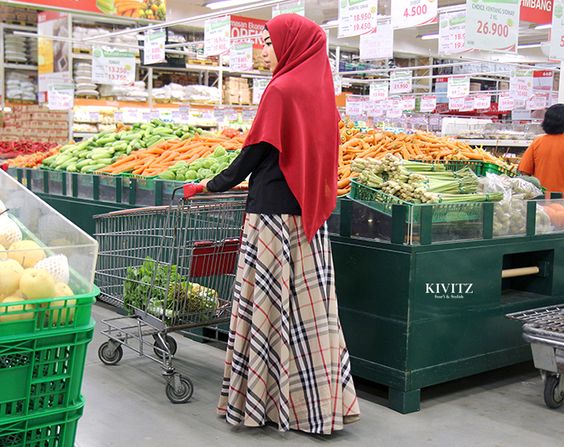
245,26
537,11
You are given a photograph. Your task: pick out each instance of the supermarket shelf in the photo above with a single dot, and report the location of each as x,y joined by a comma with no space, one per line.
84,134
507,143
20,67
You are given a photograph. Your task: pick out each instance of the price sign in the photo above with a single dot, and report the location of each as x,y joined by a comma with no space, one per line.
217,36
492,25
249,114
259,86
378,108
155,114
219,115
378,44
184,108
452,30
113,66
482,102
154,46
133,116
378,91
357,17
458,86
118,117
355,105
60,97
467,105
338,84
521,87
289,8
455,103
538,102
410,13
506,103
556,50
241,57
93,117
394,108
408,103
401,81
428,103
231,114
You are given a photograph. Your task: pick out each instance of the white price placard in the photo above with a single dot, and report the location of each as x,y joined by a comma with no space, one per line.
355,105
289,8
521,87
452,29
241,57
217,36
401,81
60,97
482,102
132,116
155,114
357,17
249,114
467,105
458,86
338,84
410,13
259,86
492,25
378,91
113,66
408,103
378,109
154,46
428,103
556,50
378,44
538,101
455,103
505,103
219,115
394,108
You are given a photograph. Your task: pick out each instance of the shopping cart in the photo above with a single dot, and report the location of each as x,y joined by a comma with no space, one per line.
170,268
544,329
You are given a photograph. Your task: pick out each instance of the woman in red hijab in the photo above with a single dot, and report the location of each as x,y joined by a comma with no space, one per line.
286,359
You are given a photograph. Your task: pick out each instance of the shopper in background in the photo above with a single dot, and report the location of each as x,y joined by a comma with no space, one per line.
286,359
544,159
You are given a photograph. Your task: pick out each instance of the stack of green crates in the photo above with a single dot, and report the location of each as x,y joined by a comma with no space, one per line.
42,356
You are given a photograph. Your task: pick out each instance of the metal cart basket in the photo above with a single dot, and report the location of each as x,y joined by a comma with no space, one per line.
170,268
544,329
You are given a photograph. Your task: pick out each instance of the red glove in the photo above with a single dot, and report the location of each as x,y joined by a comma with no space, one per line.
4,167
191,189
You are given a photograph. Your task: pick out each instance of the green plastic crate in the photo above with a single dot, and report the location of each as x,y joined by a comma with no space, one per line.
480,168
46,316
56,429
442,212
42,374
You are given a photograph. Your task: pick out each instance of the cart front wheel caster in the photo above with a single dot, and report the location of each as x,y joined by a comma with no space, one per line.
553,394
110,355
183,393
170,344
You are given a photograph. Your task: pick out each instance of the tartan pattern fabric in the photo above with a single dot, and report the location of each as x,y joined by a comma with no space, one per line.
286,359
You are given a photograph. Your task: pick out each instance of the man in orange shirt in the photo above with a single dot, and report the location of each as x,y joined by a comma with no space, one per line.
544,159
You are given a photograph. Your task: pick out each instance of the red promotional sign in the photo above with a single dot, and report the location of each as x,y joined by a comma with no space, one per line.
536,11
245,26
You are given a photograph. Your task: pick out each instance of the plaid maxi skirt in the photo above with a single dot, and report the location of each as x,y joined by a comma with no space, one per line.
286,361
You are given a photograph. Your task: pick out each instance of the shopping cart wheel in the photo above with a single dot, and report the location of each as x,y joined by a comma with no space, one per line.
182,392
109,353
553,394
170,343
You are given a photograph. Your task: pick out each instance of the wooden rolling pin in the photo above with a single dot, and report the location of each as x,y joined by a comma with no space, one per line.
522,271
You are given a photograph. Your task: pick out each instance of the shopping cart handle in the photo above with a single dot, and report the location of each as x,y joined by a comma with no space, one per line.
4,167
191,189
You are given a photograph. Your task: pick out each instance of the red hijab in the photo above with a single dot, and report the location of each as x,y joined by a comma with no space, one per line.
298,116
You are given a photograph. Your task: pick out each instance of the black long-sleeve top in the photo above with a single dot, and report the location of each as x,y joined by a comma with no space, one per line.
269,192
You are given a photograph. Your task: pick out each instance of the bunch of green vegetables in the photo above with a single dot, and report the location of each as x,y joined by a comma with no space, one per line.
203,168
108,147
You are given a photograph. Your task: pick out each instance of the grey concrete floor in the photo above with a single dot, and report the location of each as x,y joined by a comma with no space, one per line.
126,406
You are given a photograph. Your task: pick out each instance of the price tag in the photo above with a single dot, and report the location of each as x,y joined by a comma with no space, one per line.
521,87
378,91
556,50
378,44
289,8
401,81
482,102
184,108
492,24
249,114
467,105
259,86
410,13
455,103
112,66
154,46
94,117
155,114
355,105
357,17
132,116
538,102
394,108
338,84
452,31
231,114
217,36
60,97
241,57
506,102
146,116
408,103
118,117
378,108
219,115
428,103
458,86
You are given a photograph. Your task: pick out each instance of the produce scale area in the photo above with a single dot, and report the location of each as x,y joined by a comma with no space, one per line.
441,246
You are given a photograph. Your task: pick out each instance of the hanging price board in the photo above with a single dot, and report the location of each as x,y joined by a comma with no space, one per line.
505,103
113,66
492,25
394,108
556,50
538,102
357,17
428,103
521,87
259,86
355,105
378,44
467,105
482,102
452,30
378,91
60,97
241,57
458,86
408,103
401,81
217,36
455,103
410,13
154,46
289,8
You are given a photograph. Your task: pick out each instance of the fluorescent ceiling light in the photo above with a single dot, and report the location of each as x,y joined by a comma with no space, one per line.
228,3
547,26
530,45
429,36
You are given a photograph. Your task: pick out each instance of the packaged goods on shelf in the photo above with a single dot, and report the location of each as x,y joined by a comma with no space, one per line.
135,92
17,15
170,92
21,87
81,32
85,128
33,122
236,91
83,80
16,49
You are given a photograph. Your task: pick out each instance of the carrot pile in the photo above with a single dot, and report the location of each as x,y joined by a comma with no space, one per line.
158,158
